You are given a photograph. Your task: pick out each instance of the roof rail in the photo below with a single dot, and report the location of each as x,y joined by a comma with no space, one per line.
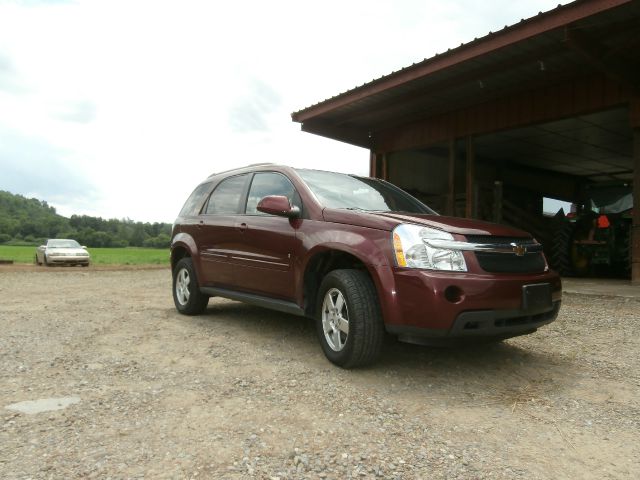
260,164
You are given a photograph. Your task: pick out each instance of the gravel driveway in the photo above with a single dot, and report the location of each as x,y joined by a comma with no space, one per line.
242,392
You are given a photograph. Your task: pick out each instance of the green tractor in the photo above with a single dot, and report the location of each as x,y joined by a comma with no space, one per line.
595,239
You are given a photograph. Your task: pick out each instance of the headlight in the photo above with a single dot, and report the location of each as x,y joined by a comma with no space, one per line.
410,244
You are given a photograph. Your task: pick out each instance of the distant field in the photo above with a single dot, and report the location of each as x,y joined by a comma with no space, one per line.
102,256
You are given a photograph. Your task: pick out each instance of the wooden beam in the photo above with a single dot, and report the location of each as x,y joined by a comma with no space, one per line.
385,168
497,201
372,164
635,229
451,198
471,174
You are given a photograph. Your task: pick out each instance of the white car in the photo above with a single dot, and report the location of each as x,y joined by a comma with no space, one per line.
59,251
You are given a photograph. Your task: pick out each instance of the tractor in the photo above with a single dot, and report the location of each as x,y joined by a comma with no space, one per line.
595,237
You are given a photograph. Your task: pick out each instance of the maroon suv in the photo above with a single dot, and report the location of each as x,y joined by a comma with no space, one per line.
360,256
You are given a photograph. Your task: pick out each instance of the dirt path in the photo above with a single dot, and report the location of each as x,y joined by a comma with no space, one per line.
242,392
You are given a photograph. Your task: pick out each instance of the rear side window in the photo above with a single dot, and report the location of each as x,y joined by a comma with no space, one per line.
194,203
225,199
269,183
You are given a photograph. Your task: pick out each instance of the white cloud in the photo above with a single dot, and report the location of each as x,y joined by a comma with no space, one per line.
141,100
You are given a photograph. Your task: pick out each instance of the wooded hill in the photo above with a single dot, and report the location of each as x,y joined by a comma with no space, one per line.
29,221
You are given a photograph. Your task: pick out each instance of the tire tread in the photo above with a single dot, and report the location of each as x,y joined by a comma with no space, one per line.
365,317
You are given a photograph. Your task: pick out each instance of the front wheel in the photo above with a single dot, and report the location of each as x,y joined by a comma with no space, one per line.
188,298
348,321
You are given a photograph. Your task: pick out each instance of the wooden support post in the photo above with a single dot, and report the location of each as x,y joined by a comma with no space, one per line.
471,173
451,198
497,201
384,174
372,164
635,229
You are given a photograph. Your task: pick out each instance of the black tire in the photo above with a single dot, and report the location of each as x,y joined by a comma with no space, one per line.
561,249
44,259
35,260
626,252
362,343
188,298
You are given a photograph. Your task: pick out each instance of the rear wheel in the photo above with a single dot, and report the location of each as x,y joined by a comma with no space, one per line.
348,321
188,298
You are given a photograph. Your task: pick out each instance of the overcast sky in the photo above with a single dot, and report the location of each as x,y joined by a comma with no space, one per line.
119,108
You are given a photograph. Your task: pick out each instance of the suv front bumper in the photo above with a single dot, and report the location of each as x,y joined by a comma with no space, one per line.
428,304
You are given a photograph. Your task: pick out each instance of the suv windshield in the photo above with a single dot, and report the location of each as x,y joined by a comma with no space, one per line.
339,190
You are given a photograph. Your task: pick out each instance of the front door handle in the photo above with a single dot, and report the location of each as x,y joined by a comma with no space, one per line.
241,226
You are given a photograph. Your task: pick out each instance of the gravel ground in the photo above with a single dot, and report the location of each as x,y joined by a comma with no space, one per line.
242,392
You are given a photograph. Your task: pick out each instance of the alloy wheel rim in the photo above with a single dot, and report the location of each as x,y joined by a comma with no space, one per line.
335,319
182,286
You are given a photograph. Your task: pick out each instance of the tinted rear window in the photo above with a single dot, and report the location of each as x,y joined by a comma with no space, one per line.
194,203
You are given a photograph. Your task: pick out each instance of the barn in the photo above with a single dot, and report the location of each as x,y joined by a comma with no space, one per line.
547,108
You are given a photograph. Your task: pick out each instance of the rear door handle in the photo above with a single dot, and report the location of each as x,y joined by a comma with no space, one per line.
241,226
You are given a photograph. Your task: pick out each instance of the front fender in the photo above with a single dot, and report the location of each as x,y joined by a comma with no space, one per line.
372,247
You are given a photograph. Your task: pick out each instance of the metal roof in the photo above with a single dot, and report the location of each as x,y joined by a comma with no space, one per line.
570,41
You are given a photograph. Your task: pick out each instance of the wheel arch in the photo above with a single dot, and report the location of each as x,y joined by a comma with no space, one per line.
320,262
182,246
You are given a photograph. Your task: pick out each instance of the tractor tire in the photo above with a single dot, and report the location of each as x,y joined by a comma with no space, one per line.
626,252
560,258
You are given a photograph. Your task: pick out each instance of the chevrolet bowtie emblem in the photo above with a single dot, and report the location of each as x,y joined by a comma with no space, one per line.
519,250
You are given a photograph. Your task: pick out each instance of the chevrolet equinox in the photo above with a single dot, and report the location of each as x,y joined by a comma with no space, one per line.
361,257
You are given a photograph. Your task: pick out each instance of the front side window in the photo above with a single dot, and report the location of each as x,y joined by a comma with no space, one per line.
269,183
225,199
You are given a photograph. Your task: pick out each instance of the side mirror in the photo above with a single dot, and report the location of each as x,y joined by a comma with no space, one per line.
83,246
42,246
278,205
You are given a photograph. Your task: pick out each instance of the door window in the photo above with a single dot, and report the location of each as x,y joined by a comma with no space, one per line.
270,183
225,199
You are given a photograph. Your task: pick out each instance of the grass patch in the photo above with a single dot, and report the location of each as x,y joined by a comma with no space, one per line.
100,256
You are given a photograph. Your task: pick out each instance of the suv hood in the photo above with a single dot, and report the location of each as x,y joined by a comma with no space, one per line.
390,220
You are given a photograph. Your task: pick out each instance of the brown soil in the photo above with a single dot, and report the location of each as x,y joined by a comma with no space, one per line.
242,392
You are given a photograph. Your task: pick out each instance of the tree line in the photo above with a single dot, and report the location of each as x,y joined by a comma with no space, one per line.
29,221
